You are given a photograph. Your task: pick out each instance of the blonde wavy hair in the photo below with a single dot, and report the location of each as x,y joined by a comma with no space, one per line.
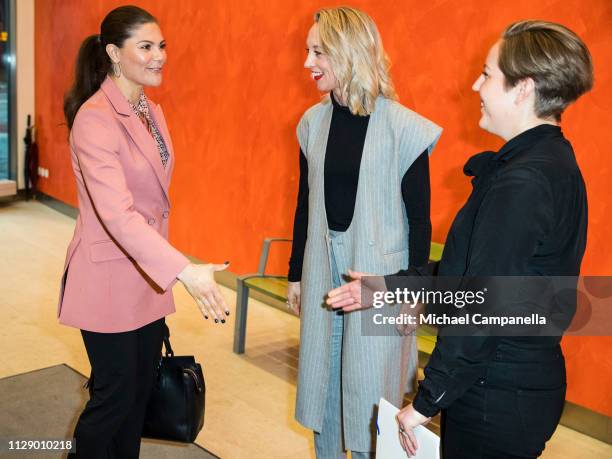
351,40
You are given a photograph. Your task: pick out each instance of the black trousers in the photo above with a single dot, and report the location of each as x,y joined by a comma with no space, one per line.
511,413
123,372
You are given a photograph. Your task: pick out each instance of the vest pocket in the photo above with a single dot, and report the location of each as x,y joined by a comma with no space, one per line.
397,254
393,245
395,261
396,251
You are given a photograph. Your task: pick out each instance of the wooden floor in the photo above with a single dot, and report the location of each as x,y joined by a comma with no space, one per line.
250,398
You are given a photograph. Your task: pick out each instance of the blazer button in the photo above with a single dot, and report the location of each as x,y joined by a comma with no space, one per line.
165,214
481,381
151,221
370,242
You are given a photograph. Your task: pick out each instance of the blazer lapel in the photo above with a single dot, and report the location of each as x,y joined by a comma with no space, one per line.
136,130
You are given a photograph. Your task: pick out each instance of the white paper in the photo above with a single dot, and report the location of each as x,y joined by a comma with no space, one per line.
387,443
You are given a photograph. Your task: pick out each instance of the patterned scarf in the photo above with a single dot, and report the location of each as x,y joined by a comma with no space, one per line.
141,109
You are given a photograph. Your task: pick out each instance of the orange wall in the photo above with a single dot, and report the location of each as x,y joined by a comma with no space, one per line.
234,89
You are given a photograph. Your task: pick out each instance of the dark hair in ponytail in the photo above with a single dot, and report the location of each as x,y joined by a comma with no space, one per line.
93,63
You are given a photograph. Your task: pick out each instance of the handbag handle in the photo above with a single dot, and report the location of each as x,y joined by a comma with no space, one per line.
195,378
166,337
170,353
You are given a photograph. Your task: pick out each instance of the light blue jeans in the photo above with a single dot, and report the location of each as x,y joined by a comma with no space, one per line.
329,443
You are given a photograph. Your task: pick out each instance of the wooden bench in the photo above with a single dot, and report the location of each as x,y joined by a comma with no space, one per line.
276,287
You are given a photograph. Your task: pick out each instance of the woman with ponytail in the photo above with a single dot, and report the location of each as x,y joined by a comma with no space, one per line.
120,268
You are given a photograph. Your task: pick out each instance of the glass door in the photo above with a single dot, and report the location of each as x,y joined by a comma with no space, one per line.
8,166
4,92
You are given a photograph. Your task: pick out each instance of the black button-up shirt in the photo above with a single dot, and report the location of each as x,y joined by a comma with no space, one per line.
526,216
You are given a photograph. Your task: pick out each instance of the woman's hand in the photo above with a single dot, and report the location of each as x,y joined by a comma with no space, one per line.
294,297
415,311
357,294
199,280
407,419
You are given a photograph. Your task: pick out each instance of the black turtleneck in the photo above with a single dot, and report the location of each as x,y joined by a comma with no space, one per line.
345,143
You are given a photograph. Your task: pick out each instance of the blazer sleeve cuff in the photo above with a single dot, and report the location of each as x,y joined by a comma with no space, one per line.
173,266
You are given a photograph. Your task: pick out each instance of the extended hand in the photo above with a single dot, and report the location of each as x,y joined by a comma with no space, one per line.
357,294
405,328
407,419
199,280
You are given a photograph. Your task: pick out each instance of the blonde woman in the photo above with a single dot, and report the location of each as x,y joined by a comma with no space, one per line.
363,203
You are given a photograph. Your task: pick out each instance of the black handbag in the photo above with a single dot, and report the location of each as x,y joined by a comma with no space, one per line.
176,407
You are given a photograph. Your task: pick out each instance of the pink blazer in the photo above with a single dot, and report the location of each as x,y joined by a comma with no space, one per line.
119,266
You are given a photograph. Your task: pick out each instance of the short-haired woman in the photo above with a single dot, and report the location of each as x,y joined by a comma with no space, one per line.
526,216
120,268
363,202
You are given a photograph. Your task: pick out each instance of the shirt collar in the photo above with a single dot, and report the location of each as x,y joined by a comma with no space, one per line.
345,111
337,105
526,138
140,107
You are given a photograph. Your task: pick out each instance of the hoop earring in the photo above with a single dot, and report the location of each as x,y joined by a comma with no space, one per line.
116,69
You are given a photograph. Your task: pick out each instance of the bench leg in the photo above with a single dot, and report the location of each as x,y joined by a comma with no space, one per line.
242,303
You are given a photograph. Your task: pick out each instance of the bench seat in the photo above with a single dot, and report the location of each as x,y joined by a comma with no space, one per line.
276,287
